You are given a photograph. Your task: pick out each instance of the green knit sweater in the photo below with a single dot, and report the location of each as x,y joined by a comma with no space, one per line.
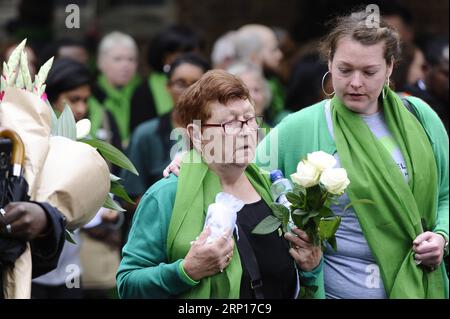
306,131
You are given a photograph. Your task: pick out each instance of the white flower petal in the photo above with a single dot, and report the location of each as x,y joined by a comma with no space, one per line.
83,128
321,160
335,180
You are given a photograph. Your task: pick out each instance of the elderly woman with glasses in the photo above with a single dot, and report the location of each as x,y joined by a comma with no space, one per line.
170,252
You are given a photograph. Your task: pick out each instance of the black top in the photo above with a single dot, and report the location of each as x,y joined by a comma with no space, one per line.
276,265
142,106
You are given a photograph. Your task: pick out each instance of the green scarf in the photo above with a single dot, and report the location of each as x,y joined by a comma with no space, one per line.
196,190
278,98
118,102
396,219
158,87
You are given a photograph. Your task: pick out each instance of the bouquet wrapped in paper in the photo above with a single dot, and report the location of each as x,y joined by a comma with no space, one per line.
69,174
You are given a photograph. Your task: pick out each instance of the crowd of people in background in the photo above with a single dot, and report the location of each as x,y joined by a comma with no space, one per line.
133,110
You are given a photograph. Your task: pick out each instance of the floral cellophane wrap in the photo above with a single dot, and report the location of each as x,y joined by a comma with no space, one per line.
69,175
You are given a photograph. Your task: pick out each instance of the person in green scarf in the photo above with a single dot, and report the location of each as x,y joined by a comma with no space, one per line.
395,153
117,62
170,252
151,99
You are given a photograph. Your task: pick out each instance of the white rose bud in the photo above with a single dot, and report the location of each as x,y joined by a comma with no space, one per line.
307,175
335,180
83,128
321,160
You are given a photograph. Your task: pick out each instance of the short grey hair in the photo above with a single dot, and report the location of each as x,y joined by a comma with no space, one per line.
224,48
114,38
247,42
241,67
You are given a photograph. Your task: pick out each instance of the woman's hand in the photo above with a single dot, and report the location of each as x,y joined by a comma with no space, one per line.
206,260
429,249
174,166
305,254
23,220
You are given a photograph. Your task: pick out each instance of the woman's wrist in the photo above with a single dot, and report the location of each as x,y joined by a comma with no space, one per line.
185,275
445,237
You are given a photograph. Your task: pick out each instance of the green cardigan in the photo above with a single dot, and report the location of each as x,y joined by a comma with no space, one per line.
144,271
306,131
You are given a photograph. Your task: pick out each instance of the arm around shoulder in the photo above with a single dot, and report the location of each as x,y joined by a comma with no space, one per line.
144,271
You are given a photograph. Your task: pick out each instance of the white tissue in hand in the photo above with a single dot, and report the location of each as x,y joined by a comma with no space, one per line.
221,215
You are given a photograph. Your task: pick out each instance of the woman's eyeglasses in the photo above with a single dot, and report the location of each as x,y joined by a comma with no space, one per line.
235,126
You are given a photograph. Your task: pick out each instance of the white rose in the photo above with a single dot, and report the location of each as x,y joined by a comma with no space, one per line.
321,160
83,128
335,180
307,175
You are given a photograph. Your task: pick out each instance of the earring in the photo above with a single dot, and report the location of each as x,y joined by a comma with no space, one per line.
166,68
323,85
386,85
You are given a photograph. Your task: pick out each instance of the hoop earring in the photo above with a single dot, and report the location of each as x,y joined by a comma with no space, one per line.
323,85
386,85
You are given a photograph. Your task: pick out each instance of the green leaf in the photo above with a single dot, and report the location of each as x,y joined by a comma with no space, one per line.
111,204
279,210
112,154
267,225
359,201
293,198
69,236
305,220
118,190
313,214
332,242
299,189
332,200
66,124
326,212
300,212
297,220
328,226
314,197
285,222
317,219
